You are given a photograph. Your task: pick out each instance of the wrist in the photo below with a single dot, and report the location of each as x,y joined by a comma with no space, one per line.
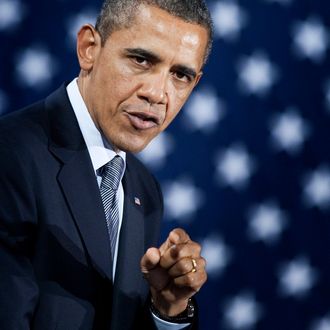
185,315
169,308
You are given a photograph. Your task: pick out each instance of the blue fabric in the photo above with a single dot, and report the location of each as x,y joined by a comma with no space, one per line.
248,156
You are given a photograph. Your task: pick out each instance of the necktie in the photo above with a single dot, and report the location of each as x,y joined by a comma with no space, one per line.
111,175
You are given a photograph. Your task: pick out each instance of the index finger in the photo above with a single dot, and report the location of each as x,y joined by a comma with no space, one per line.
179,236
175,237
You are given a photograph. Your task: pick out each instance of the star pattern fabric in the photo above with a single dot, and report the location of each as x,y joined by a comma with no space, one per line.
311,39
11,14
266,222
289,131
229,19
245,167
296,278
35,68
242,312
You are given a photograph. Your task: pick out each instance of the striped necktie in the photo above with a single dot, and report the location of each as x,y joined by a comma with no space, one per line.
111,175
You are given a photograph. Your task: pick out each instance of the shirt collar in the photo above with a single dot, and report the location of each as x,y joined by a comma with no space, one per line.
99,148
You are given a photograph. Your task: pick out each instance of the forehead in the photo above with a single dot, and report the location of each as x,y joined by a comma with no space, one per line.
164,34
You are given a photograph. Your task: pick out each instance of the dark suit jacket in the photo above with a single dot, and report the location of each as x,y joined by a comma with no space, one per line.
54,249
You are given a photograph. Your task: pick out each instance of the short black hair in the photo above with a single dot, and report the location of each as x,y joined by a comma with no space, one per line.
118,14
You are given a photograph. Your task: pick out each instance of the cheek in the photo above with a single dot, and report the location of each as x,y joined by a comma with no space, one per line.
115,83
114,92
123,88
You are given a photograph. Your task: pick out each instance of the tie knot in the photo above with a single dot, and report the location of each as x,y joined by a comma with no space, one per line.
112,172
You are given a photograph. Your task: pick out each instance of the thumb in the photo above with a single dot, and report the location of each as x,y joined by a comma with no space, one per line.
150,260
152,272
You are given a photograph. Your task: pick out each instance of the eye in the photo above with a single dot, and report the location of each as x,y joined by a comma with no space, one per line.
182,76
140,60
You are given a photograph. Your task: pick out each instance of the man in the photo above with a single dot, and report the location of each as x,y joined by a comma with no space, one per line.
77,249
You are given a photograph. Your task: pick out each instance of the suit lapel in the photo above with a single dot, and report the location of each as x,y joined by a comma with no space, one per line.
86,207
77,180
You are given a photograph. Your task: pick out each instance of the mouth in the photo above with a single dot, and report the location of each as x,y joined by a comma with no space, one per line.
143,120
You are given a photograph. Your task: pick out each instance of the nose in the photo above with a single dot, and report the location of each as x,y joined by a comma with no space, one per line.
153,89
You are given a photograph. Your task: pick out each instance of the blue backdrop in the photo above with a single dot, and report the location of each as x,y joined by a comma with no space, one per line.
245,168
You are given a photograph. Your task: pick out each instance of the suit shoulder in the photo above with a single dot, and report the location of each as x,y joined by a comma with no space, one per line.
23,138
138,166
21,124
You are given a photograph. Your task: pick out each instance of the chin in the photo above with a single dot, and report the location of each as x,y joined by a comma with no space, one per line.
132,147
131,142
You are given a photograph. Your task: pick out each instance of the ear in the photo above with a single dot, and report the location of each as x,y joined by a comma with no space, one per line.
88,46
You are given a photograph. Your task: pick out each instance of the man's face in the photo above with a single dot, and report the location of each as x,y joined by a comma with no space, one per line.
139,80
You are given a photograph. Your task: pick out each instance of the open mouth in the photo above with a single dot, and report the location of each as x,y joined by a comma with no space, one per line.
143,121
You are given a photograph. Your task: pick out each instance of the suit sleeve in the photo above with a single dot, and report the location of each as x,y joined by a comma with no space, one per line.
18,287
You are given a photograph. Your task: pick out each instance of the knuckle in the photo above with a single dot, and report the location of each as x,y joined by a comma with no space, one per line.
196,247
190,279
178,231
186,267
203,262
182,234
175,230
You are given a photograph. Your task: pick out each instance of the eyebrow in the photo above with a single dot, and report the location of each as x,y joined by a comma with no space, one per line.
154,58
147,54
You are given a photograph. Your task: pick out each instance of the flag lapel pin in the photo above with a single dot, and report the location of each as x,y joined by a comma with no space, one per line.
137,201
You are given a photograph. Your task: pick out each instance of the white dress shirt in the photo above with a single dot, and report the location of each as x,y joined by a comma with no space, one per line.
101,152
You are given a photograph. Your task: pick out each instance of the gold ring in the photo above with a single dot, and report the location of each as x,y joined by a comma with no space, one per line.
194,265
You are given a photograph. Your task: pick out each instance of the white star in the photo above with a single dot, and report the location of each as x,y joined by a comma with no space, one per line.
256,74
203,111
182,200
11,13
35,68
296,278
74,23
321,324
158,149
289,131
228,19
310,39
216,254
317,188
3,102
266,222
242,312
234,166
